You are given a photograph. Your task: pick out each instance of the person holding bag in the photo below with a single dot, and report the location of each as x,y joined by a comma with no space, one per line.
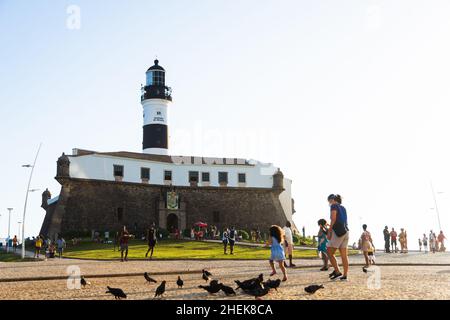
338,236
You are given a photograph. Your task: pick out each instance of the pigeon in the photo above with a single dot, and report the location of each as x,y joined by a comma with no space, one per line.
205,275
161,289
149,280
313,288
213,287
227,290
250,284
257,292
209,274
364,269
272,284
117,293
180,282
84,283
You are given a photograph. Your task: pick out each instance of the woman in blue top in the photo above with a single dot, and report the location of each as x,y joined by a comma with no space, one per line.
276,250
322,242
338,236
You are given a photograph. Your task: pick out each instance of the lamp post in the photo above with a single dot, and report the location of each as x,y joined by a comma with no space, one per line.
435,204
9,228
26,198
18,231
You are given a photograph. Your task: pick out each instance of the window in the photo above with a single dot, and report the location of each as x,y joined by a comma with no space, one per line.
205,176
158,78
223,177
216,216
193,176
120,214
168,175
145,173
118,171
241,178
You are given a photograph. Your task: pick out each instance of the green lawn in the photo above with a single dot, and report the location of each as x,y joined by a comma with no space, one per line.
170,249
11,257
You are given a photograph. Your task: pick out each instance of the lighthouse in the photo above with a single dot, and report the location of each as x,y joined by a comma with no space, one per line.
155,100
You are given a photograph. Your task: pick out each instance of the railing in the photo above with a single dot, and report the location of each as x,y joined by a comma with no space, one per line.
156,92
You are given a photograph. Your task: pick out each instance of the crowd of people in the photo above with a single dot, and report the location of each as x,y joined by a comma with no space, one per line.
49,247
435,244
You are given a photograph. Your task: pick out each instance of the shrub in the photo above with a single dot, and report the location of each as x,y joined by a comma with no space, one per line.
244,234
163,234
295,238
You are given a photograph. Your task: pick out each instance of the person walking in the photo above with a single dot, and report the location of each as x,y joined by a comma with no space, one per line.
37,246
123,241
366,244
402,238
322,242
420,245
61,244
338,236
276,250
432,239
151,240
232,239
387,236
425,243
15,241
288,243
225,240
394,240
441,239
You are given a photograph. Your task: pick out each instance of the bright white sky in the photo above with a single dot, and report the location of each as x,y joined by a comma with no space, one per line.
348,97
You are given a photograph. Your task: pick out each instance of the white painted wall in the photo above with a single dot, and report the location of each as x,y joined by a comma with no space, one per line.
100,167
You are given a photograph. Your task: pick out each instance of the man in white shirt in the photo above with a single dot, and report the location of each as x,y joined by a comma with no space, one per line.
289,243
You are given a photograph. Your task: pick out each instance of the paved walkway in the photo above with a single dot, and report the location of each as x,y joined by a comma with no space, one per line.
402,280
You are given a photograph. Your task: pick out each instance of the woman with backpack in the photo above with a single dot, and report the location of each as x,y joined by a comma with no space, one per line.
338,236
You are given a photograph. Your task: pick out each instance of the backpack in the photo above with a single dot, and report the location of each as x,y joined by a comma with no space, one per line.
231,235
339,227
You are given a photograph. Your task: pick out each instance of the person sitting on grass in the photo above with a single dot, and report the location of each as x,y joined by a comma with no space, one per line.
276,250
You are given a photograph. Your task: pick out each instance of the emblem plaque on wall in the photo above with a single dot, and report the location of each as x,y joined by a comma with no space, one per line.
172,200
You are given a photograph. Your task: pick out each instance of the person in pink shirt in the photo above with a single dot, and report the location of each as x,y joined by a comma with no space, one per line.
394,240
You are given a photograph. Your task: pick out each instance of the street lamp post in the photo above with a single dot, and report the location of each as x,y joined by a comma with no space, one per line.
26,199
9,228
18,231
435,204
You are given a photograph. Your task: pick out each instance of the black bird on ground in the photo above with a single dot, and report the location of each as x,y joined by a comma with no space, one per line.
180,282
209,274
117,293
84,283
257,292
227,290
364,269
149,280
205,275
313,288
272,284
250,284
161,289
213,287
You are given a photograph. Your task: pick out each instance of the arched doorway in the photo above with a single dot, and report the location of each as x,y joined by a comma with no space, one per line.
172,222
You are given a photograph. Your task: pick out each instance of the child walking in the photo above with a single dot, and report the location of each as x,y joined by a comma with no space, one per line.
276,250
322,243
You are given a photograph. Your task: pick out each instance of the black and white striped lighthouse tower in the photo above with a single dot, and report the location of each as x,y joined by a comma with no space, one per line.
155,99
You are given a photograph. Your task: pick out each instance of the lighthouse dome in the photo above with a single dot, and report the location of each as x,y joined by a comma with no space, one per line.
156,66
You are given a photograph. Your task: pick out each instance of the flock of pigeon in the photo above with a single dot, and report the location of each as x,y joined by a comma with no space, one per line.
255,287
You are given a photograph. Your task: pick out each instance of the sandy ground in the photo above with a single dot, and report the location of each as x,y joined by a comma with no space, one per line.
387,282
